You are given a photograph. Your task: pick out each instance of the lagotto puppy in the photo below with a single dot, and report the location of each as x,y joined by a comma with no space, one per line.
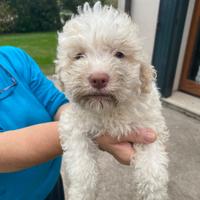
111,87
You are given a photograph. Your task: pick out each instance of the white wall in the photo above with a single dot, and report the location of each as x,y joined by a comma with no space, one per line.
121,5
145,14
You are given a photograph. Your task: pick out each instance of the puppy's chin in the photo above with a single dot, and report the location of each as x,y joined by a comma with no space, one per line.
97,103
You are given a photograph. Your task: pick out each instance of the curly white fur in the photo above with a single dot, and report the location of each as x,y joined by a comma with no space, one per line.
132,101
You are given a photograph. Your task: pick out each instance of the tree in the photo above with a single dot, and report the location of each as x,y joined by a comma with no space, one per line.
72,5
37,15
7,17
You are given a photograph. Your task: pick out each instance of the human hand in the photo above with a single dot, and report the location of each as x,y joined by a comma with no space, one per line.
122,149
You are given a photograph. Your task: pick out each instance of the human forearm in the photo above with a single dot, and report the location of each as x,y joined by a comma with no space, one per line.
33,145
29,146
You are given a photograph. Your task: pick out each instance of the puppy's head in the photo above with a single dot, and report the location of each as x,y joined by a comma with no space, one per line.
100,60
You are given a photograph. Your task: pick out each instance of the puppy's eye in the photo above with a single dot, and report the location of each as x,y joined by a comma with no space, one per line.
79,56
119,55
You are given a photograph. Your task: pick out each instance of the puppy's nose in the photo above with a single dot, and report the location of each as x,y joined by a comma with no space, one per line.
98,80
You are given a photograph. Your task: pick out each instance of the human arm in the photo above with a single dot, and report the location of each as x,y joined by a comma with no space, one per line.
36,144
29,146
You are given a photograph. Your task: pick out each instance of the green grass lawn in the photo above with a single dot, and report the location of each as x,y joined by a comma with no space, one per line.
41,46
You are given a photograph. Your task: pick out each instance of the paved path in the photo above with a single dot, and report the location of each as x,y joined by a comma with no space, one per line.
184,153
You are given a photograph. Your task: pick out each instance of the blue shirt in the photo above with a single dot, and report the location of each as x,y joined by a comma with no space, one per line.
32,100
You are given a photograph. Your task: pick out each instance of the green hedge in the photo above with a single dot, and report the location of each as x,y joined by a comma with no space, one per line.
38,15
7,17
30,15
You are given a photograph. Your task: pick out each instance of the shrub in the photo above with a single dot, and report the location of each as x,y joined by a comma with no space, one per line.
36,15
7,17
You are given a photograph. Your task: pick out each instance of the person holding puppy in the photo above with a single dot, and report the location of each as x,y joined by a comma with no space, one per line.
30,152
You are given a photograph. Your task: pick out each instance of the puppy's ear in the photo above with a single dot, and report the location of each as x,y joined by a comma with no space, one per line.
147,76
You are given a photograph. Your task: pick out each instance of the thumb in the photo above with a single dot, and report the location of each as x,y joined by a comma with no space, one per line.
143,136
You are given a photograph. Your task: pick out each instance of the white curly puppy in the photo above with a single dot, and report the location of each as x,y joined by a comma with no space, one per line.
111,87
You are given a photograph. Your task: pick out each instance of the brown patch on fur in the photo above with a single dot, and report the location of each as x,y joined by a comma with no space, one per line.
147,75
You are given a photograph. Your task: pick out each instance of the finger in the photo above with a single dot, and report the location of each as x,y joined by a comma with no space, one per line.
106,139
144,136
123,152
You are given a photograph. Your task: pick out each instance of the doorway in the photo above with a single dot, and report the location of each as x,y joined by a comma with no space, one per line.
190,78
